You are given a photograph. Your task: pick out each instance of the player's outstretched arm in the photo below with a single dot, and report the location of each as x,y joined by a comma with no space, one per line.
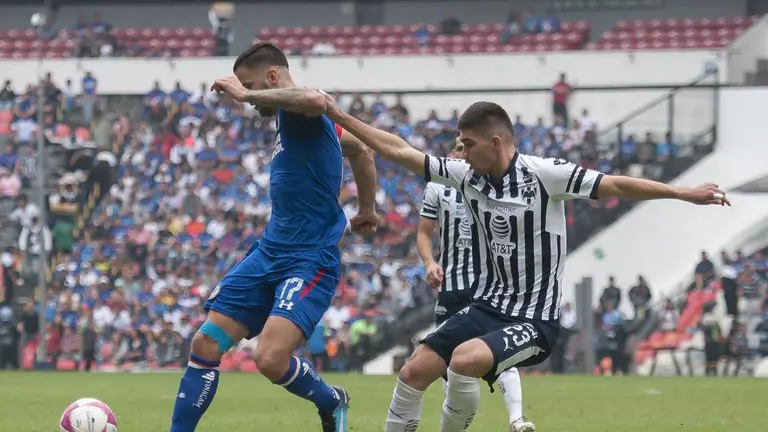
641,189
391,147
363,169
565,180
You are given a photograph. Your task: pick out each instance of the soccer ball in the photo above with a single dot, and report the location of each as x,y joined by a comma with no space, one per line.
88,415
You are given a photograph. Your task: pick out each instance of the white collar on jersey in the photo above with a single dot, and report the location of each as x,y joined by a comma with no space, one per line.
516,178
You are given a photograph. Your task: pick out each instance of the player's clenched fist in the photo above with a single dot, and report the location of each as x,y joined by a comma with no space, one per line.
331,109
707,194
364,223
230,85
434,275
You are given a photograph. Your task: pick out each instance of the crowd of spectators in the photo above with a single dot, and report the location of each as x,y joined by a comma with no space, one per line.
191,197
516,24
732,335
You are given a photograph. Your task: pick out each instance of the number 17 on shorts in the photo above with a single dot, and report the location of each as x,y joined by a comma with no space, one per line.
304,300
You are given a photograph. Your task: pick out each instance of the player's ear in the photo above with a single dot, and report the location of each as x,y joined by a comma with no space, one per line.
496,141
273,76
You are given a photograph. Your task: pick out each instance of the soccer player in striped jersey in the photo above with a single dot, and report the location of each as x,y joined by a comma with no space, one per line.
453,277
518,232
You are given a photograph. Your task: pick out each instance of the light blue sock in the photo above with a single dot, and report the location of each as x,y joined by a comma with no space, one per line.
303,380
196,392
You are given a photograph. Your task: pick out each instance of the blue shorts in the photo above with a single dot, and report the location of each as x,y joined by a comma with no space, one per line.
265,283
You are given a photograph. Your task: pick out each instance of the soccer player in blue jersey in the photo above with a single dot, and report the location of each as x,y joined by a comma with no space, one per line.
284,284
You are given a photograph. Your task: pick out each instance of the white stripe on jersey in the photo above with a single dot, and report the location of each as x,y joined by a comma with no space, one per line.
446,205
519,234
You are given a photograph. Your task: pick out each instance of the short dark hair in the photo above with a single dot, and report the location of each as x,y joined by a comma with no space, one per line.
481,115
261,54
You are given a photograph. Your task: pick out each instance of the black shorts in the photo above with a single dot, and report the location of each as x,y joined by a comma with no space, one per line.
448,307
514,341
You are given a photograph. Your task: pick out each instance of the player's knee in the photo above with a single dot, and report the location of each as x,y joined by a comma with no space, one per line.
472,358
408,375
272,361
205,347
422,369
211,342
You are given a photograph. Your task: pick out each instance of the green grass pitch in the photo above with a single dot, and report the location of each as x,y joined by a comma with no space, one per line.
32,402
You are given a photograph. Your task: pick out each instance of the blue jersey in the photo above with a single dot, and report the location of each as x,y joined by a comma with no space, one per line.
305,182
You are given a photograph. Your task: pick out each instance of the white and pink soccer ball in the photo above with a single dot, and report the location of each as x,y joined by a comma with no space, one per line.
88,415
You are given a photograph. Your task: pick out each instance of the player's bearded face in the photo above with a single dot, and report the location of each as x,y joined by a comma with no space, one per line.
264,79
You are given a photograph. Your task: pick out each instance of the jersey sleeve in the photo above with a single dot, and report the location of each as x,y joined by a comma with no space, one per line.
565,180
446,171
430,202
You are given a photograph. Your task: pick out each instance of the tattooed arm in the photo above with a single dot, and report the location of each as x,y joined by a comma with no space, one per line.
301,100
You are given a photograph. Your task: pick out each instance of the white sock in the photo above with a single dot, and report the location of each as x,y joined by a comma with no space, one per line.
512,390
461,403
405,410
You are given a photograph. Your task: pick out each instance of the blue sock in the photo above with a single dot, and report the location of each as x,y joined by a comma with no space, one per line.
196,392
303,380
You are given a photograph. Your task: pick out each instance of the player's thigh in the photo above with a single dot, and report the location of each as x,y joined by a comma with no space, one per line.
245,295
465,325
302,297
517,344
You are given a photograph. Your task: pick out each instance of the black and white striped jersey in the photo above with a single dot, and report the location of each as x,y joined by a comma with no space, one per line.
446,205
519,229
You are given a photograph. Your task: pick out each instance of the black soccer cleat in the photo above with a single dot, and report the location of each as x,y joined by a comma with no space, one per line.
336,420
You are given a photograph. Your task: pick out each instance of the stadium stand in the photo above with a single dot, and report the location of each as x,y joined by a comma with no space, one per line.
735,295
377,40
124,42
189,200
424,39
147,217
673,33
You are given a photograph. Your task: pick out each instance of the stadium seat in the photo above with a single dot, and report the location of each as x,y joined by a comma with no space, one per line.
398,39
673,33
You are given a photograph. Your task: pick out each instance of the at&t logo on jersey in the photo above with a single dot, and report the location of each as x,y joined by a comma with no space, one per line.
465,234
501,231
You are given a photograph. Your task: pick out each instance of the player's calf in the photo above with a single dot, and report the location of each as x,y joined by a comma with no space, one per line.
275,360
422,369
201,378
468,363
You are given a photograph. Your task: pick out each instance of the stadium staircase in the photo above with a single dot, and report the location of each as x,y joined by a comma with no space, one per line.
695,143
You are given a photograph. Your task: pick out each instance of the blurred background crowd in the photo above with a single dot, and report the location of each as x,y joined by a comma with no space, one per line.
153,198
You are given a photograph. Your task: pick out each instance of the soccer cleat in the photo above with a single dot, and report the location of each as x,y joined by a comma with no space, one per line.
521,425
336,420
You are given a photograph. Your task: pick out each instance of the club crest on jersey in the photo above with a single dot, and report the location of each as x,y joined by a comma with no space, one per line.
529,193
278,146
501,231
